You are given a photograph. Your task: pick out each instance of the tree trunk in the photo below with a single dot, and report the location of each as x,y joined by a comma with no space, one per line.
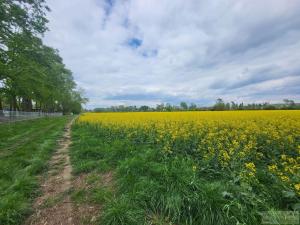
1,107
26,104
14,103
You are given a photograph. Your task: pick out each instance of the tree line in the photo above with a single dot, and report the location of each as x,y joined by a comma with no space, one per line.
220,105
33,76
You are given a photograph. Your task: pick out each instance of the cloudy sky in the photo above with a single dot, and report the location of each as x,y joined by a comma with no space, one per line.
152,51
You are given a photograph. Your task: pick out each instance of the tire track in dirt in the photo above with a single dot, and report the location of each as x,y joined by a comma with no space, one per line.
54,206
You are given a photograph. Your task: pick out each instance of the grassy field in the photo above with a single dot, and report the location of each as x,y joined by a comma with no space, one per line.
188,167
25,148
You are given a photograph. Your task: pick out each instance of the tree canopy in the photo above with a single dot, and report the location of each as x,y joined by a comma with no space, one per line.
32,75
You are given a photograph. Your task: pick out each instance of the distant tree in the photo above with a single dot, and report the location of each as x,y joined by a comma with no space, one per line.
227,106
184,105
219,105
289,104
241,106
169,107
234,105
270,107
192,106
132,108
99,109
160,107
144,108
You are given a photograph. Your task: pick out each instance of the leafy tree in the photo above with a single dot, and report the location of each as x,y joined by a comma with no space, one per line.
289,104
219,105
32,75
184,105
160,107
144,108
192,106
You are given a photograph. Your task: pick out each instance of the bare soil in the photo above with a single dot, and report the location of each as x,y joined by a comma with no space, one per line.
54,206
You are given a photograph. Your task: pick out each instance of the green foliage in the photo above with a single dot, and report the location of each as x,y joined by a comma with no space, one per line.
25,147
154,188
32,75
220,105
122,211
100,195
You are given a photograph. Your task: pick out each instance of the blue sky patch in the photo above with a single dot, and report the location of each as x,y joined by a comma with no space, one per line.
134,42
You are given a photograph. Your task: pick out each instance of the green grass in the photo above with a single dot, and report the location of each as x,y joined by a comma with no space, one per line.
25,148
152,188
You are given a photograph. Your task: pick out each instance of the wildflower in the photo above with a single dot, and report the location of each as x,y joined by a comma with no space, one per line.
250,166
251,174
227,138
226,157
283,157
194,168
285,178
272,168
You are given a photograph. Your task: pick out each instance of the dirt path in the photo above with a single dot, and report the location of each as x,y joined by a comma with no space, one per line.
54,207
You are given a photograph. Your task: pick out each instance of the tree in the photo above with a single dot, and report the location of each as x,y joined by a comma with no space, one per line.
160,107
234,105
183,105
219,105
32,75
144,108
241,106
16,17
169,107
289,104
227,106
192,106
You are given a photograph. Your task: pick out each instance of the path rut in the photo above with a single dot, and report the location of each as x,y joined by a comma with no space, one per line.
54,206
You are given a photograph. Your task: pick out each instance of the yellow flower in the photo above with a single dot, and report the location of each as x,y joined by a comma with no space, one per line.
232,136
250,166
272,168
226,157
285,178
283,157
194,168
251,174
242,154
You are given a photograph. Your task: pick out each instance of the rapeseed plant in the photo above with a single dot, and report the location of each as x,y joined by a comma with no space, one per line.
231,165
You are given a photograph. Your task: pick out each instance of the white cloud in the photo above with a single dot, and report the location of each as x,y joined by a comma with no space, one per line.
186,48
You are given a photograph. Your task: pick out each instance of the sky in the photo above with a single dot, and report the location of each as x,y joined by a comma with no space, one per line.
146,52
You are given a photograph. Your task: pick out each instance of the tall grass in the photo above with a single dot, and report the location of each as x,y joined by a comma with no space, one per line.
24,151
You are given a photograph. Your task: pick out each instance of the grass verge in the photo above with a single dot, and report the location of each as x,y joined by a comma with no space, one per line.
25,148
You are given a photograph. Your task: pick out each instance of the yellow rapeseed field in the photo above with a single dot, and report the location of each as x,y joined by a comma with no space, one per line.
235,141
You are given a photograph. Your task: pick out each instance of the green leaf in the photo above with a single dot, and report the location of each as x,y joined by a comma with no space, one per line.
288,194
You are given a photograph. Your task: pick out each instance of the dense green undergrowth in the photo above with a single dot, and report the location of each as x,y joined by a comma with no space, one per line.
25,148
153,188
